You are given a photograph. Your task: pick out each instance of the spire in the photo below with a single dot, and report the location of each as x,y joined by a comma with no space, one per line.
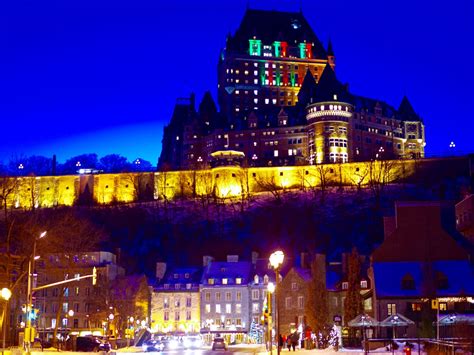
330,51
329,88
308,89
406,111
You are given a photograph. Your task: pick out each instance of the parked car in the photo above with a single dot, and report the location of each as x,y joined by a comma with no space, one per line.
91,343
153,345
219,344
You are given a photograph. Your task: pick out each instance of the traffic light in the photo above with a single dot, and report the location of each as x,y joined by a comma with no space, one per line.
94,276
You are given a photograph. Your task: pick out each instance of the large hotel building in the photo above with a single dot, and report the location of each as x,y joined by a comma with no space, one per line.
281,103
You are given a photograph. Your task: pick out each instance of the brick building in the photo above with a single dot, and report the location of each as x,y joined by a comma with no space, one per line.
465,217
421,260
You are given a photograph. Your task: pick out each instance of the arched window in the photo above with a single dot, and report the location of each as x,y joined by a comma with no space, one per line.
255,279
265,279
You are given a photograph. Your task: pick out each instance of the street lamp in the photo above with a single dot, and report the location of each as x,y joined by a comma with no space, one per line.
29,335
5,293
276,260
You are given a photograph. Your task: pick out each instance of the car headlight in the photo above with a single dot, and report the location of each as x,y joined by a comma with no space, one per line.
173,344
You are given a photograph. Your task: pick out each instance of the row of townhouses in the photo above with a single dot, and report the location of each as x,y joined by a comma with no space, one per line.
422,261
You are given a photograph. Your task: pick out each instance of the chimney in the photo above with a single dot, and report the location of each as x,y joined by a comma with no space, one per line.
232,258
206,260
254,257
389,226
305,260
160,270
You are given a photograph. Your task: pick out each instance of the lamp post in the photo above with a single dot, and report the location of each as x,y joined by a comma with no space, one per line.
29,307
5,294
276,260
270,290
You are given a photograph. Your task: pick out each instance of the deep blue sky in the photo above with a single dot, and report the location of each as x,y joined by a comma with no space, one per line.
83,76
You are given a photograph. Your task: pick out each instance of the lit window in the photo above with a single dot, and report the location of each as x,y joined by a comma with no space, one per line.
210,281
238,308
275,153
300,302
246,72
255,72
335,97
224,281
345,285
255,101
267,101
218,308
255,308
274,101
255,92
228,308
255,81
391,309
237,92
266,65
363,284
294,286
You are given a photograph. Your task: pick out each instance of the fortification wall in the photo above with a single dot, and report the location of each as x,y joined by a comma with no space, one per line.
219,182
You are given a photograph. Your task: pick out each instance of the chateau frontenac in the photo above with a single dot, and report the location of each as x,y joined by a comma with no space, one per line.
281,103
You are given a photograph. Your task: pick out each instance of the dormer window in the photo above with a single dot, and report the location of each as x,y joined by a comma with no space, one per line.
224,281
255,279
177,286
186,275
345,285
408,283
265,279
188,286
441,281
166,286
210,281
238,280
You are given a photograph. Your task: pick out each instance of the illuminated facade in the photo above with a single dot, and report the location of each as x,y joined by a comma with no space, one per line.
281,104
225,299
175,303
88,303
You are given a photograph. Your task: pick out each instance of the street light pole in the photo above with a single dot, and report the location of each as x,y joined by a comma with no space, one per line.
29,306
6,294
276,260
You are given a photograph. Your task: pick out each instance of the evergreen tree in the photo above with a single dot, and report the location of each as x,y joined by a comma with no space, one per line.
317,305
353,305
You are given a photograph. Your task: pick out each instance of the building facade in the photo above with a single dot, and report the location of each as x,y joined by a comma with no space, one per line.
422,265
175,303
79,305
292,298
282,104
465,217
226,299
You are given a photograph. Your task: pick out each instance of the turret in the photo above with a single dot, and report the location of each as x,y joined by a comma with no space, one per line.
328,119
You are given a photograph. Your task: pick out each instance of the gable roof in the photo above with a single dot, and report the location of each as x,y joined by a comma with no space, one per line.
218,270
419,236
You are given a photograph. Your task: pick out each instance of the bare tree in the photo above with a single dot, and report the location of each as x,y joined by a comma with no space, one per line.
8,188
323,171
360,174
268,183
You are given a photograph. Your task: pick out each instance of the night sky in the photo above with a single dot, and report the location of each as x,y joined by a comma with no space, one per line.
101,76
